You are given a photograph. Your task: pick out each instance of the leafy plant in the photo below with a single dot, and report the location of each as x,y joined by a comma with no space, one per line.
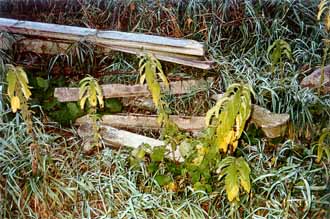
229,116
236,172
277,51
322,146
19,94
324,9
151,71
91,92
225,122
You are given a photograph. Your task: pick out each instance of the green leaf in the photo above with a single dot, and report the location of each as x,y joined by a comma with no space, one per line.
74,110
231,183
163,179
113,105
139,153
158,154
185,149
322,147
42,83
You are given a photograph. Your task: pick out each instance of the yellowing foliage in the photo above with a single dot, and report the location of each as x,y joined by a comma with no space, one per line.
89,89
229,116
18,87
236,172
15,104
324,9
151,71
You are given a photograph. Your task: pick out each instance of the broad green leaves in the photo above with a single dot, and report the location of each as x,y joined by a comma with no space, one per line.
229,116
18,87
89,89
237,173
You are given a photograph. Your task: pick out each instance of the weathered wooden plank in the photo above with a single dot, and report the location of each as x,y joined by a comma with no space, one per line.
140,121
42,46
170,57
116,137
108,38
58,47
64,94
272,124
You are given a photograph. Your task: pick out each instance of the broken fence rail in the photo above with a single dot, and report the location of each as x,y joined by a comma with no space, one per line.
180,51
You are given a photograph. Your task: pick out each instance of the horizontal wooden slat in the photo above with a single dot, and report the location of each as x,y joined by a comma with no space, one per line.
116,137
108,38
59,47
120,90
272,124
140,121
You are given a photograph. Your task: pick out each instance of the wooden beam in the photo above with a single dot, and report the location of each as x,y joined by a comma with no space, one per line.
117,138
106,38
272,124
140,121
41,46
64,94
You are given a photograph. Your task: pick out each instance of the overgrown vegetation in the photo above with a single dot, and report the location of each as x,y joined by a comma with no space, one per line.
264,46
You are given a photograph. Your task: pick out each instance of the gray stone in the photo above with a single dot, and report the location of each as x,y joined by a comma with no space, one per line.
313,80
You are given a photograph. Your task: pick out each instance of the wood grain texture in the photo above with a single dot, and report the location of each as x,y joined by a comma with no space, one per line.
108,38
64,94
118,138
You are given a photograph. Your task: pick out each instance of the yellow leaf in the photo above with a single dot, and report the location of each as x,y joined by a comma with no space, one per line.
26,91
155,92
224,141
245,184
244,171
235,144
198,160
99,94
82,102
142,78
92,95
172,187
11,79
231,182
15,104
232,192
322,7
23,80
327,22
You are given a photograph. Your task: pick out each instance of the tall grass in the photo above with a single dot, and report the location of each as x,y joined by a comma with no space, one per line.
287,183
